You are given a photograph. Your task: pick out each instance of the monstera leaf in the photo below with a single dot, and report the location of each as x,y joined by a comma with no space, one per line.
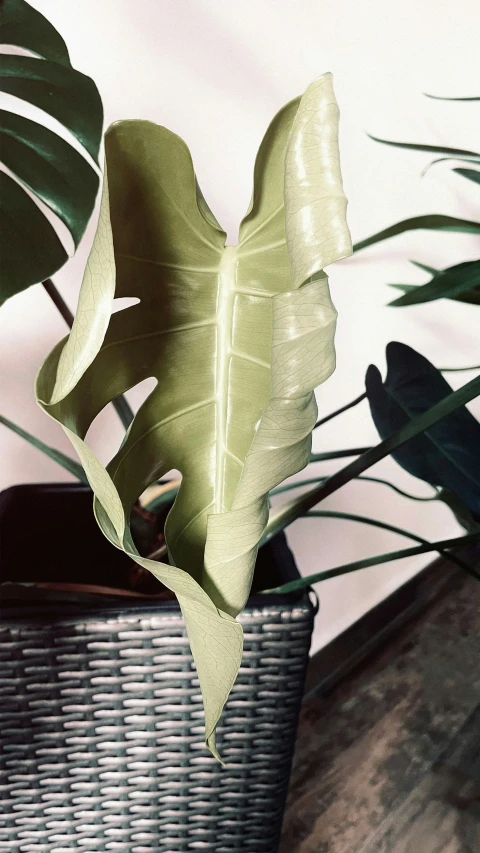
39,165
236,337
447,454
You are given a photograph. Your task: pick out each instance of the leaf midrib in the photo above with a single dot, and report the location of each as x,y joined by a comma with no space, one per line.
227,277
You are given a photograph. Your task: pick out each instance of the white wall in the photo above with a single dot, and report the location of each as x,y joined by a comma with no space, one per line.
215,72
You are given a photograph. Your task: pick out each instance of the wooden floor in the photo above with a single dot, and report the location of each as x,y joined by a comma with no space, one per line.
390,761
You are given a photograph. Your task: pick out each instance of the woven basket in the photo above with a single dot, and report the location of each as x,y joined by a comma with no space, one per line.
101,725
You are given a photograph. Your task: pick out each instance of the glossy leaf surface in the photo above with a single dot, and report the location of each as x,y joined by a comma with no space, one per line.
446,454
40,160
237,338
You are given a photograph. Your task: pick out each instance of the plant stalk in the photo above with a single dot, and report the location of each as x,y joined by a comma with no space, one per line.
121,404
341,410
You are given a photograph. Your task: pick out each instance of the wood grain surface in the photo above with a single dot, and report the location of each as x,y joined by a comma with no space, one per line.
389,762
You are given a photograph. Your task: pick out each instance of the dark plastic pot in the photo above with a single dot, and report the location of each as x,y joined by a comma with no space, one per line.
101,714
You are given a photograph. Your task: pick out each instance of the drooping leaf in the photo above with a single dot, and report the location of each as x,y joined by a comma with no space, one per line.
429,222
434,149
236,337
451,283
446,454
287,513
470,174
39,159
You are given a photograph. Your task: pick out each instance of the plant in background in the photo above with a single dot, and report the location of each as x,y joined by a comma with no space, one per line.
461,281
41,170
236,338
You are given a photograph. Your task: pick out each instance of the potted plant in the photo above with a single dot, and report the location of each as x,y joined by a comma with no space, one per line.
113,680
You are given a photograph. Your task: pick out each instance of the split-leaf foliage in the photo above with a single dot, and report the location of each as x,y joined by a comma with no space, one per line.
39,166
236,338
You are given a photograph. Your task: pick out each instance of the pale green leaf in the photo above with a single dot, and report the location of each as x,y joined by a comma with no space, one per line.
237,338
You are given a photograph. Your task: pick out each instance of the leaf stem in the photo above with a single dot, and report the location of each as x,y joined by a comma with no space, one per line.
58,301
300,483
289,512
61,458
458,369
373,522
301,583
340,411
338,454
121,405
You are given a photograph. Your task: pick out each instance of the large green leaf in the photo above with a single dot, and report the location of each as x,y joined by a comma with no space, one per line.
460,280
43,163
429,222
237,338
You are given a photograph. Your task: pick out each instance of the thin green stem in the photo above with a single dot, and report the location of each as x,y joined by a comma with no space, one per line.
458,369
58,301
299,483
340,411
373,522
121,404
397,489
61,458
444,544
286,514
338,454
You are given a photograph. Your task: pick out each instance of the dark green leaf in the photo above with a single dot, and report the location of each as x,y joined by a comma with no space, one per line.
470,174
65,461
429,222
446,454
472,297
302,583
440,98
284,515
54,171
29,247
445,284
430,270
23,26
435,149
70,97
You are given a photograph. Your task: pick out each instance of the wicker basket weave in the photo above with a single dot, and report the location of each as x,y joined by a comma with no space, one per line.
101,725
